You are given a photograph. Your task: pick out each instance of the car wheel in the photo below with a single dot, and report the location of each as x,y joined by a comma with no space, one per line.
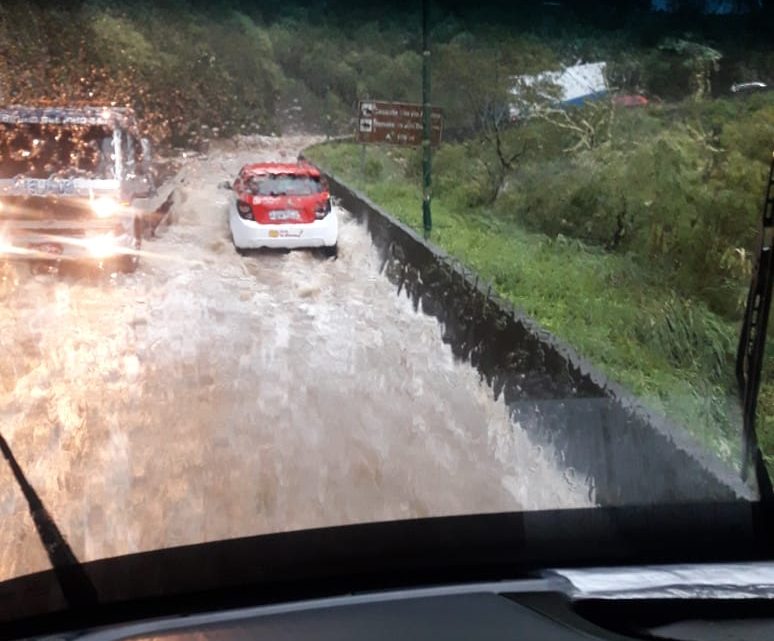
38,267
128,264
241,251
330,252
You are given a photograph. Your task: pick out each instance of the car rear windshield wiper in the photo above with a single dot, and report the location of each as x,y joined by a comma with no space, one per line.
752,343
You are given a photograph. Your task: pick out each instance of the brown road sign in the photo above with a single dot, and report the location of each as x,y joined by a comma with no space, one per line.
395,123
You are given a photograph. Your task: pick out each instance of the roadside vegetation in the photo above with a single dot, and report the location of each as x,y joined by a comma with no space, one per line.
627,232
197,69
635,250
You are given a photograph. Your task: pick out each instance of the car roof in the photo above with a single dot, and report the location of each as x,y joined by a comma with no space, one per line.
298,169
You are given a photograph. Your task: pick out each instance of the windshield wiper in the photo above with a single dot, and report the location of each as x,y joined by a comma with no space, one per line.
77,588
752,344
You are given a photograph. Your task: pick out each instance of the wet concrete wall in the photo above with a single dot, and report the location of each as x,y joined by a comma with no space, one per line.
626,453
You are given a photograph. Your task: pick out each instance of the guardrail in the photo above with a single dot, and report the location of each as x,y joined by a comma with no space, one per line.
627,454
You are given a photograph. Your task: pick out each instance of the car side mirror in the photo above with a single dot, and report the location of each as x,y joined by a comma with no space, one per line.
225,185
147,154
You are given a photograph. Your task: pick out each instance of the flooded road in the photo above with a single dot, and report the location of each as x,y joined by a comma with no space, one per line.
210,395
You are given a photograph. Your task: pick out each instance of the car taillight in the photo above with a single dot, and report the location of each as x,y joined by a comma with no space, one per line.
245,210
323,209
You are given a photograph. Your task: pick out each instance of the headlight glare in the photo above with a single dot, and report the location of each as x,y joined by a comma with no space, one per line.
101,246
104,207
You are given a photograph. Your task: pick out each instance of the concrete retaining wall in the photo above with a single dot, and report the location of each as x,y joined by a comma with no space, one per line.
628,454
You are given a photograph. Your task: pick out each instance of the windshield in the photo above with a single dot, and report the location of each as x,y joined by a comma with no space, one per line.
526,296
43,151
283,185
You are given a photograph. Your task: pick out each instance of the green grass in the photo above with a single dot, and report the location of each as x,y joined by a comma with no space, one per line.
607,307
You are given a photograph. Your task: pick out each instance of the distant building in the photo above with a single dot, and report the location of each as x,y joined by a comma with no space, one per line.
574,86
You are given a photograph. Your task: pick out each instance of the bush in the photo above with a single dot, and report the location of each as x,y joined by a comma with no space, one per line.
373,169
461,176
666,192
582,199
691,337
178,68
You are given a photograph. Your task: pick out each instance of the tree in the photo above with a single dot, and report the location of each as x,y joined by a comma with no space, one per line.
700,59
589,125
506,150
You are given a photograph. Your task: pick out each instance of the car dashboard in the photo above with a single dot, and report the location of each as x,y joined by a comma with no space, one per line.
713,602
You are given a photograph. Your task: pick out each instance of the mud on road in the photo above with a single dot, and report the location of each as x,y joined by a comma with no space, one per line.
210,395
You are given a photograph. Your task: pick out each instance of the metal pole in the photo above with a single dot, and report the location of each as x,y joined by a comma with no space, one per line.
427,219
328,119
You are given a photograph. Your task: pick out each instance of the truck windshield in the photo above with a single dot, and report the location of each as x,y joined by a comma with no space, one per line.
43,151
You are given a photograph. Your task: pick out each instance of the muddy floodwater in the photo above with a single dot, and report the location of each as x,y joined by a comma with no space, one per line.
210,395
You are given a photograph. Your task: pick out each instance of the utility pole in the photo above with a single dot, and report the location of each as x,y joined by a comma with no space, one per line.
427,219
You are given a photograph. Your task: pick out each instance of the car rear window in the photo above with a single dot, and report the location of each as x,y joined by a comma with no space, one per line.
284,185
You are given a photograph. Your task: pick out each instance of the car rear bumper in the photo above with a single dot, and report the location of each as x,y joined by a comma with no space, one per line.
248,234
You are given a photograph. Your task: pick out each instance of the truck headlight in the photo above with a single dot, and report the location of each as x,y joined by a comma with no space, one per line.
104,207
101,246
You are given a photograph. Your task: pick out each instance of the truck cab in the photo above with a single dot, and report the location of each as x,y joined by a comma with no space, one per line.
69,182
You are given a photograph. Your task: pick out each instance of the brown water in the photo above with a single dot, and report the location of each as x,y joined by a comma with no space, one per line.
210,395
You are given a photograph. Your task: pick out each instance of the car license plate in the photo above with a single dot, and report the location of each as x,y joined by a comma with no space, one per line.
286,233
47,248
283,214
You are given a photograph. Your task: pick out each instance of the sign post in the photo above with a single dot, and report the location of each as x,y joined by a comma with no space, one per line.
407,124
427,218
396,123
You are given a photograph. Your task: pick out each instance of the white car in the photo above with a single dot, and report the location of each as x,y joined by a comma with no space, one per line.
282,205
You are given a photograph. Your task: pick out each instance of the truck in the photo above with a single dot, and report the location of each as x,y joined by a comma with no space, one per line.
71,179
